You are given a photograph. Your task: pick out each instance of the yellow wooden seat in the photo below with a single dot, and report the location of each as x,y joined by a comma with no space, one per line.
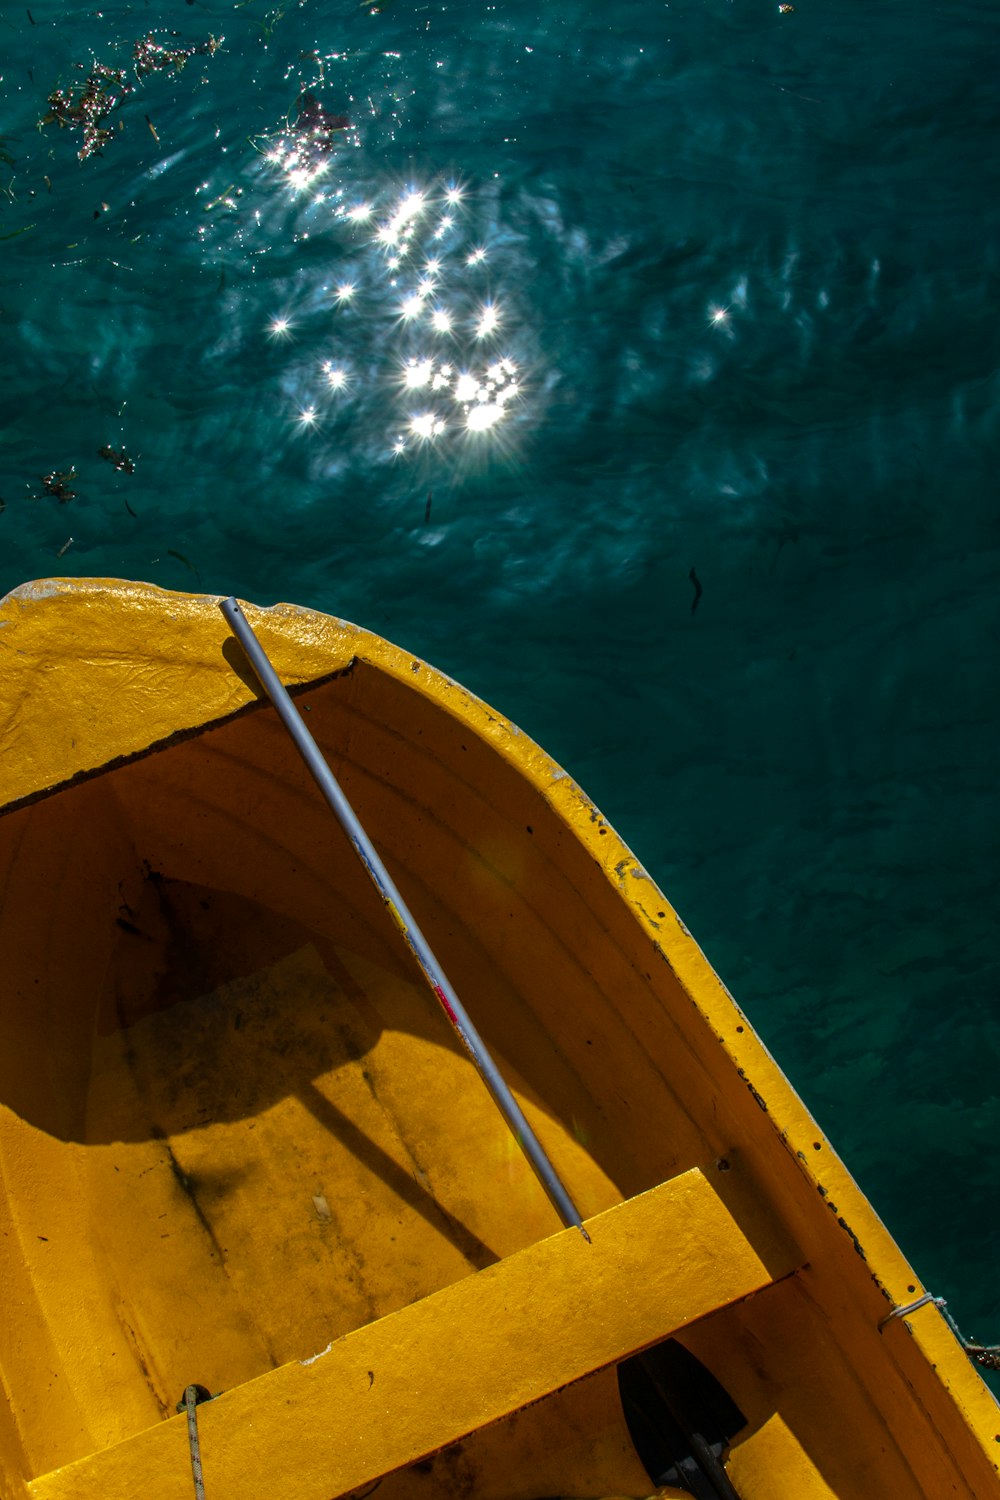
399,1389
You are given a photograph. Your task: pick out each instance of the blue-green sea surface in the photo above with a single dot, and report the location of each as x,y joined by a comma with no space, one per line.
635,364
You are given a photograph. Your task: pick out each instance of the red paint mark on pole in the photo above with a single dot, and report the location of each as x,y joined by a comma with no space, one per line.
447,1008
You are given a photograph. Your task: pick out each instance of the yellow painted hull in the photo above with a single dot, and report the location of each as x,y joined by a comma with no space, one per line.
240,1145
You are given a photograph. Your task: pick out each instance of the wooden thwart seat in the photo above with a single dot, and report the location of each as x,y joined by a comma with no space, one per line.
397,1390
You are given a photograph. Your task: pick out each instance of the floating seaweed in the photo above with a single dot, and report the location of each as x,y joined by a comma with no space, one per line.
271,20
150,56
89,106
58,483
102,93
118,457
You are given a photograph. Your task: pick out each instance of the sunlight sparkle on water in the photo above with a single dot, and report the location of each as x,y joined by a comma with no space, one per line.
470,395
336,378
482,417
481,398
294,162
488,320
418,374
400,226
426,425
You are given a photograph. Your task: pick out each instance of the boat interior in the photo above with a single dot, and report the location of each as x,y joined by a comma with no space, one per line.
235,1126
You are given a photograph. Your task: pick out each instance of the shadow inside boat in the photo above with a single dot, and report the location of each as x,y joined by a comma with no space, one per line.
220,1021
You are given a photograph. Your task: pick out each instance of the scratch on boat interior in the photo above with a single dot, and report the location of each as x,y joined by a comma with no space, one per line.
314,1357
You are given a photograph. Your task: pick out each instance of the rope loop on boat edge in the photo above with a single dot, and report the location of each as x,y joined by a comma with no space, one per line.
189,1402
986,1355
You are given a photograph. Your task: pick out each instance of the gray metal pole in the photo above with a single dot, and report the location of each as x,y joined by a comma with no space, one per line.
398,910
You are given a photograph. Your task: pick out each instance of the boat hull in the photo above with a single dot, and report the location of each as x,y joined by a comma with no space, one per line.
236,1131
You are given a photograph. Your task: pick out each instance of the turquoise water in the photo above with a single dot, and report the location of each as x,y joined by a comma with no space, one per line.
587,299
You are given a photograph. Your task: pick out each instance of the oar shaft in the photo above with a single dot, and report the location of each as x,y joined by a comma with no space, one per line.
401,915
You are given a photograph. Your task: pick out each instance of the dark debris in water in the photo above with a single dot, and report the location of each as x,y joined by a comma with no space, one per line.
118,457
58,484
317,128
186,561
309,139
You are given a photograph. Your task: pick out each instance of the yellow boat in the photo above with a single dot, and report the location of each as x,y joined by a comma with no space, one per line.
243,1149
